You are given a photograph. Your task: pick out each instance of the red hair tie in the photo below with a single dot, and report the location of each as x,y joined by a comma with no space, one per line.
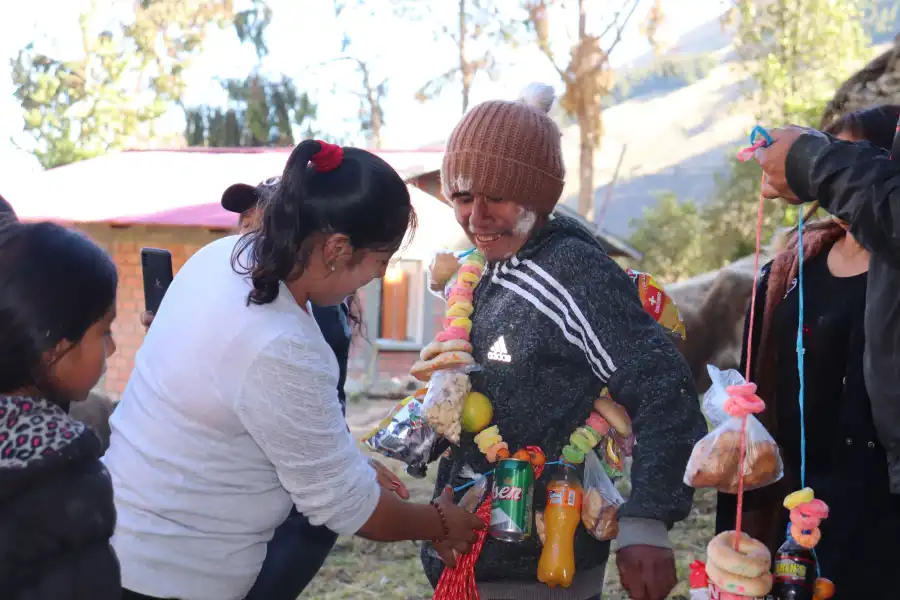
328,158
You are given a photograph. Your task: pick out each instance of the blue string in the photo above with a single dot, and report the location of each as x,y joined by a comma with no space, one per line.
480,477
801,371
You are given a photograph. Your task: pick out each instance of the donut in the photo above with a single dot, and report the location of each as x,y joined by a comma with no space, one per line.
808,538
614,414
468,277
751,560
598,423
795,499
492,453
423,369
474,259
572,455
435,348
460,309
463,291
452,333
752,587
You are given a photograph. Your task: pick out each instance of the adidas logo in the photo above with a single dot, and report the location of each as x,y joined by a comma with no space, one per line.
498,351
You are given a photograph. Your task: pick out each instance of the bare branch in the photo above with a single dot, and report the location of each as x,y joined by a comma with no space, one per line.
621,27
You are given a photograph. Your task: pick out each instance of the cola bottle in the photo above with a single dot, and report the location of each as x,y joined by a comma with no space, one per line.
795,572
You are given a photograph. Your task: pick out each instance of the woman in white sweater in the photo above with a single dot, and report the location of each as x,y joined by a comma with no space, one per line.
231,414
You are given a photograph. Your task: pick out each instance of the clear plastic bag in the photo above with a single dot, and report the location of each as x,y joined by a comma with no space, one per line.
404,435
443,403
715,460
472,499
442,272
601,500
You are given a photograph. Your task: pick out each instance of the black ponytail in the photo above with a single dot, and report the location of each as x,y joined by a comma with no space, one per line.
362,197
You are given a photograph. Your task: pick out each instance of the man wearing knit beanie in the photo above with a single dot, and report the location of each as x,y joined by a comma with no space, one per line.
556,321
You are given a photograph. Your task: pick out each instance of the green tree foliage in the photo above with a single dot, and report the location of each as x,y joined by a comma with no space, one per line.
795,54
128,73
259,113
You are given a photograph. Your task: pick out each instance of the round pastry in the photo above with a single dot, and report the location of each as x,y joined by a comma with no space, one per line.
572,455
751,560
423,369
753,587
460,309
614,414
808,538
435,348
452,333
598,423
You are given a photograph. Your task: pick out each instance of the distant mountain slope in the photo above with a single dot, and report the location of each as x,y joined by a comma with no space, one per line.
680,115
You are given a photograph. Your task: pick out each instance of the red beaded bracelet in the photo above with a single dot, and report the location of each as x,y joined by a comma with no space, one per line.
444,526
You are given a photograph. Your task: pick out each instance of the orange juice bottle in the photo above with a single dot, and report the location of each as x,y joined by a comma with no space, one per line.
561,518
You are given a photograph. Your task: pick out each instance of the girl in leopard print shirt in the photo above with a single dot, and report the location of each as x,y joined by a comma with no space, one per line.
57,304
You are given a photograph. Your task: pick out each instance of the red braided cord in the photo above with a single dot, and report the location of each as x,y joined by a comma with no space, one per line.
459,583
752,316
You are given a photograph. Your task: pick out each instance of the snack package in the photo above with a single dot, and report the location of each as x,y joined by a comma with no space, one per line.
443,402
715,459
601,501
441,271
404,435
472,499
657,303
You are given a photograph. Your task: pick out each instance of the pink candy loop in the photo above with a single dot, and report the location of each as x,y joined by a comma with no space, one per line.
747,153
809,514
743,401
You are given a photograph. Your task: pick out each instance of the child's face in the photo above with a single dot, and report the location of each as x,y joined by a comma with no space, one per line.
80,367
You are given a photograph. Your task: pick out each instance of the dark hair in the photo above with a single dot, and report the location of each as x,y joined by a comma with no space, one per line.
363,198
54,285
876,125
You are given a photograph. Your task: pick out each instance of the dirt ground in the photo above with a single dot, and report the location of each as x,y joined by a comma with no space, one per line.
359,568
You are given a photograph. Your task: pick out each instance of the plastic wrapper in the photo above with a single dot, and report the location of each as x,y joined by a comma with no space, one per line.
404,435
443,402
657,303
442,272
472,499
601,500
715,460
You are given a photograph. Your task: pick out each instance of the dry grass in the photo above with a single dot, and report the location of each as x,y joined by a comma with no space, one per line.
359,568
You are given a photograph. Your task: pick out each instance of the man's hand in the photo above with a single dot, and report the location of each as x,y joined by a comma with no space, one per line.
773,159
646,572
389,481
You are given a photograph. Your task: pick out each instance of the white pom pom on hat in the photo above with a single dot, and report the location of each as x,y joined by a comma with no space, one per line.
538,95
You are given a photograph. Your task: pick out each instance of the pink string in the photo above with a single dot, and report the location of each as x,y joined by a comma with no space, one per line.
751,318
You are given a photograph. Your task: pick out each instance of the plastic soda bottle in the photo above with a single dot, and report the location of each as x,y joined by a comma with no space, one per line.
561,518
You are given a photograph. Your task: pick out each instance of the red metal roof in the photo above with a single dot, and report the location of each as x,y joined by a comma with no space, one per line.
163,187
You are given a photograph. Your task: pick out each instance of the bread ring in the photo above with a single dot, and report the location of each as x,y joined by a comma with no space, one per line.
752,560
752,587
614,414
423,369
808,538
435,348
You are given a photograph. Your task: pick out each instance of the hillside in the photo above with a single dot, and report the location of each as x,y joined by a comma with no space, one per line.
681,115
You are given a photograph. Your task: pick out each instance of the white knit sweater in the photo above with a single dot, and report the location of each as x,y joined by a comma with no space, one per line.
230,416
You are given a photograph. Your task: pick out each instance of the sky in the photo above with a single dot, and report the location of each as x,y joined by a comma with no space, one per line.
304,39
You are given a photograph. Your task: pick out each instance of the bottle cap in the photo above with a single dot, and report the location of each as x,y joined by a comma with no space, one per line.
698,579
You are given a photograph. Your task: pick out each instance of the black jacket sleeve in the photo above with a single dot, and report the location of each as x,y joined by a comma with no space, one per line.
856,182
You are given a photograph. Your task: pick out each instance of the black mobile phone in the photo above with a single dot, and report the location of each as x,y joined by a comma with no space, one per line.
157,268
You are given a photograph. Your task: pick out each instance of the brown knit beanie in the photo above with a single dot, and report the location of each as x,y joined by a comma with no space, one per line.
508,150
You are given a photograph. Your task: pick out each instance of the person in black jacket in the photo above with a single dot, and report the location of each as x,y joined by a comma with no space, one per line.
56,499
859,183
845,463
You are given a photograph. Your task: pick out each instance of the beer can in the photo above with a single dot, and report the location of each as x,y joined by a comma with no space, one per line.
511,500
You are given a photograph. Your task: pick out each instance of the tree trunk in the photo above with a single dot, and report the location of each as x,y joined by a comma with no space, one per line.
465,69
585,171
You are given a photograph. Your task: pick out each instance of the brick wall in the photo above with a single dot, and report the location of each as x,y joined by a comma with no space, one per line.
124,245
